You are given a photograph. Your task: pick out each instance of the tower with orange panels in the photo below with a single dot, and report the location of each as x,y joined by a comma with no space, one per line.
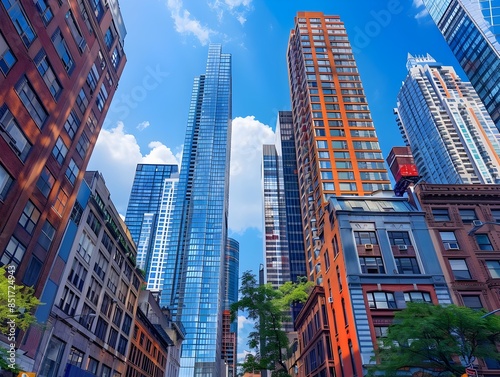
352,238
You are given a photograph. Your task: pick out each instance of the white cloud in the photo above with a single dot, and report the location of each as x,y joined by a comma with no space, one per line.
422,11
237,3
237,8
245,326
143,125
245,192
186,24
116,155
241,19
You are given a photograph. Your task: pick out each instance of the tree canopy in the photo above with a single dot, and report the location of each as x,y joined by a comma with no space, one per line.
440,340
269,309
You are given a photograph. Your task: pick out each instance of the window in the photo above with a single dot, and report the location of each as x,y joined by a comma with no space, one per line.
122,293
44,10
83,145
29,218
86,247
109,38
106,305
495,213
31,101
98,9
61,201
116,57
467,215
92,365
113,337
20,21
93,78
372,265
449,240
59,151
493,268
94,291
407,266
12,133
127,322
100,266
102,96
117,316
472,301
484,243
363,238
45,238
71,125
399,238
381,300
113,280
380,333
77,275
45,182
75,31
460,269
63,51
417,296
75,357
13,253
68,302
53,355
122,345
7,59
47,73
100,330
72,171
82,101
32,273
347,186
327,260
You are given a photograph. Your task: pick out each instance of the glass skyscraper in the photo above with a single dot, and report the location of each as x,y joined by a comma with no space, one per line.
230,328
452,137
194,269
148,217
471,28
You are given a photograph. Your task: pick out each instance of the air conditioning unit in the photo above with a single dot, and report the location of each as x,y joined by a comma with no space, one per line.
451,246
477,222
403,247
368,246
330,300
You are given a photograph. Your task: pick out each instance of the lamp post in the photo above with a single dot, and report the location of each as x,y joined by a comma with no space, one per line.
478,224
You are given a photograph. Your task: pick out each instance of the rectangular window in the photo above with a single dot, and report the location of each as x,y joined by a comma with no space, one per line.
440,214
12,133
77,275
116,57
109,38
127,322
92,365
47,72
44,11
63,51
85,247
71,125
13,253
72,171
82,101
75,357
31,101
399,238
83,145
113,337
45,182
59,151
418,296
493,268
484,243
68,302
93,78
407,266
61,201
106,305
495,213
102,96
363,238
460,269
472,301
101,329
449,240
117,316
20,21
101,266
75,31
98,9
372,265
33,272
122,345
47,235
29,218
381,300
7,58
113,280
94,291
467,215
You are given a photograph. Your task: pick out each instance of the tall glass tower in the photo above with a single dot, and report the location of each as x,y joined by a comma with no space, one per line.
230,328
452,137
148,217
194,269
471,28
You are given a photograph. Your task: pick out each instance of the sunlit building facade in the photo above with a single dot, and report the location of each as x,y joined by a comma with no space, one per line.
194,268
471,28
452,137
149,215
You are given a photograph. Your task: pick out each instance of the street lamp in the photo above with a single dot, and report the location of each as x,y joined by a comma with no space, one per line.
477,224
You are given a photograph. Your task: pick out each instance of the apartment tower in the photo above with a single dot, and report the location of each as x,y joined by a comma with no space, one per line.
337,148
472,30
194,268
452,137
148,218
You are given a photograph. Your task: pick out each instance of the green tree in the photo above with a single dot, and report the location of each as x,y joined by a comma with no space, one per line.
436,339
267,307
16,305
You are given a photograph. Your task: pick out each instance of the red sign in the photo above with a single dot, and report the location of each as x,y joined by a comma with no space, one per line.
471,372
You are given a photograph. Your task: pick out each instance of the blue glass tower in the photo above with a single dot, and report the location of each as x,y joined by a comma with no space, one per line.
194,269
471,28
149,216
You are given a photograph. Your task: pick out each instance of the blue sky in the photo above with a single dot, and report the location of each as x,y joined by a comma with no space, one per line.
166,47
